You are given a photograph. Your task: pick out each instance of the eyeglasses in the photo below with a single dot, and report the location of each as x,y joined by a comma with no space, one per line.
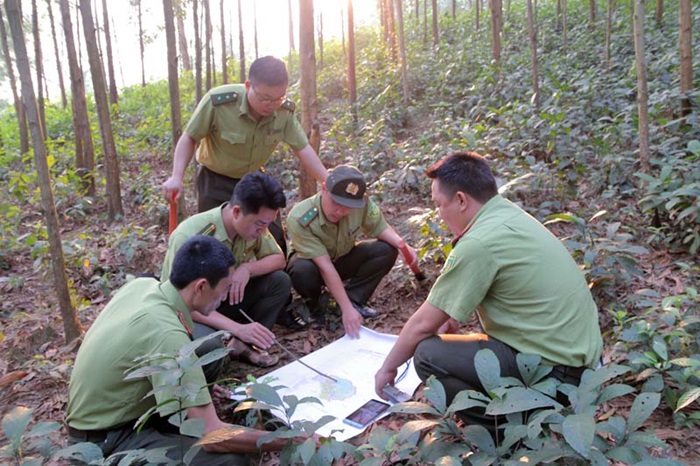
269,100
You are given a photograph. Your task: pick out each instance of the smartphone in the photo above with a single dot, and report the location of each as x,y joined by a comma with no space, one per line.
366,413
396,395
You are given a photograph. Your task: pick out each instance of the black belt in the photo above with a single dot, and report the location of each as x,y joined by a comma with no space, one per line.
94,436
569,371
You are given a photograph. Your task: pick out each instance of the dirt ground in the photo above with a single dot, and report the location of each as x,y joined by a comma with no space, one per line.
35,362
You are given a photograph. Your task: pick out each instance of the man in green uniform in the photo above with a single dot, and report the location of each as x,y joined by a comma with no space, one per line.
238,126
147,317
260,286
323,230
525,287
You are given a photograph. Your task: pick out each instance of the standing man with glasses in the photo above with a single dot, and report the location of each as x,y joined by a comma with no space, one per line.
237,127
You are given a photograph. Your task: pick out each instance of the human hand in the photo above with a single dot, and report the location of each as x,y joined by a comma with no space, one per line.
239,280
352,320
409,255
450,326
172,185
383,378
255,334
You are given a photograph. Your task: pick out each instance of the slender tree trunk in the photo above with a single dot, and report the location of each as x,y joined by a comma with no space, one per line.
535,62
425,23
320,39
224,57
64,100
342,33
182,37
114,200
213,62
39,66
255,28
197,51
19,108
307,88
291,33
660,14
496,28
84,148
392,29
564,29
454,9
352,82
207,44
608,32
592,13
241,43
642,89
686,54
405,86
416,10
173,84
113,92
71,324
77,28
142,47
477,15
435,23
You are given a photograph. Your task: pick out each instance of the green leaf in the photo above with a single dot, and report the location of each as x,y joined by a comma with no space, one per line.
642,407
480,438
211,357
86,452
465,400
614,391
306,450
624,455
519,399
578,430
411,427
44,428
435,393
264,393
687,398
15,423
488,368
659,347
527,365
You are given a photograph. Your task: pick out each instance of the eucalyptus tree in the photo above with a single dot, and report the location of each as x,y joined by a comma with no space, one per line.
111,160
642,86
435,22
406,90
197,52
352,80
71,324
19,108
142,46
224,58
180,14
241,43
686,54
207,45
532,28
290,24
308,90
39,68
59,70
173,81
113,91
496,30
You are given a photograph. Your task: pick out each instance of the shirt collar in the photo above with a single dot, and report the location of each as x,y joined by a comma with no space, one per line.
178,305
322,220
484,208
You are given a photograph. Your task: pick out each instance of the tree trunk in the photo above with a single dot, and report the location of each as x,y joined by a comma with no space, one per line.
564,30
477,14
142,47
255,28
342,32
535,63
391,29
71,324
454,9
435,23
496,28
291,33
608,32
207,44
173,85
352,82
307,89
39,66
84,148
61,85
197,51
19,108
241,43
642,89
592,12
113,92
406,94
114,199
224,58
686,54
660,14
180,14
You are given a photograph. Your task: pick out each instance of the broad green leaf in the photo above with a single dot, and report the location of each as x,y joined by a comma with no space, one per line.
614,391
464,400
687,398
211,357
43,429
435,393
264,393
412,427
659,347
642,407
488,368
624,455
527,366
15,423
479,437
520,399
306,450
85,451
578,430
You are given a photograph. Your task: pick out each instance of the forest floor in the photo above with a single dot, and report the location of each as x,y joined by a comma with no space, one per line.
35,364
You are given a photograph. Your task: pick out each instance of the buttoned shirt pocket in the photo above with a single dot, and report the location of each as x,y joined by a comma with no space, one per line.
273,137
233,138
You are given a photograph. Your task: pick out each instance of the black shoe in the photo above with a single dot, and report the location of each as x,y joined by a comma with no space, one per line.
365,311
293,319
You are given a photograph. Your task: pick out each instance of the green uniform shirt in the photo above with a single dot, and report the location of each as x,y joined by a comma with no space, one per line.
524,285
232,142
312,235
212,224
145,317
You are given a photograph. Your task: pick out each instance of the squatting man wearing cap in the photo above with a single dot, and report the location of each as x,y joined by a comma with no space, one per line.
323,230
147,317
260,287
528,293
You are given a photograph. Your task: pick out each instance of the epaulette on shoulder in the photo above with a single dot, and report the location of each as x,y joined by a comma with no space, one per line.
208,230
289,105
308,217
224,98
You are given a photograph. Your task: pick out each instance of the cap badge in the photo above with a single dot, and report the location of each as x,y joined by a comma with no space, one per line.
352,189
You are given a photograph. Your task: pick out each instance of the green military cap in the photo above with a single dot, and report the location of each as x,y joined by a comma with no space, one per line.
347,186
224,98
